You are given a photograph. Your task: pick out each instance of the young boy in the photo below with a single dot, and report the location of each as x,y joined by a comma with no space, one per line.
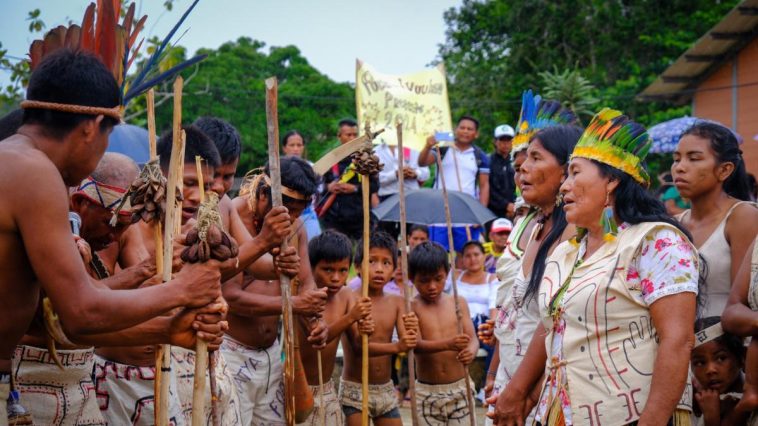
330,255
388,314
441,360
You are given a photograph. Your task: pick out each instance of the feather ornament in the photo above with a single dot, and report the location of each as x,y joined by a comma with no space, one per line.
537,114
114,44
612,138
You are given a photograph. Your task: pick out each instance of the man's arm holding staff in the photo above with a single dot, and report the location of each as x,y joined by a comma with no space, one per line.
84,308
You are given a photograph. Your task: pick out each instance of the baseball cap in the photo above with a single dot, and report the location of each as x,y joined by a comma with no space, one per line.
504,130
501,225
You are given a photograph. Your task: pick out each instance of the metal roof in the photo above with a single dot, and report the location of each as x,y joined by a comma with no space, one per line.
679,81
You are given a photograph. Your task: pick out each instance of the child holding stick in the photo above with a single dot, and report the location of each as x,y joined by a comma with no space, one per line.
330,255
441,359
388,313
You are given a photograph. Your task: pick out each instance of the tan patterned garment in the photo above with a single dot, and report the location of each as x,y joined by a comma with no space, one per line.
257,376
442,405
328,414
381,398
54,396
183,364
125,394
5,390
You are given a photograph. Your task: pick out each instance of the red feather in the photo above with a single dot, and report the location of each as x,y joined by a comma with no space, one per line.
105,35
134,54
36,51
88,29
73,36
137,29
129,19
54,39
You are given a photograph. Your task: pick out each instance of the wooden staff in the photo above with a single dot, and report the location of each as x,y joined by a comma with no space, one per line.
364,293
157,231
201,346
322,410
448,218
158,242
272,125
173,208
404,263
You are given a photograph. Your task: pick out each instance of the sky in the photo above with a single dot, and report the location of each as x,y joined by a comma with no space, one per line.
395,36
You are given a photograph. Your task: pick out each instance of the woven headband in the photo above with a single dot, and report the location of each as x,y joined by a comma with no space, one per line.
105,195
114,113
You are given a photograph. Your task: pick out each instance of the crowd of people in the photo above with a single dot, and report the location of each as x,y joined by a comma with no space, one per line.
589,303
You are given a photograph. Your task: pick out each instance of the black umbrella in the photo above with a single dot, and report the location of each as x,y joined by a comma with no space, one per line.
426,206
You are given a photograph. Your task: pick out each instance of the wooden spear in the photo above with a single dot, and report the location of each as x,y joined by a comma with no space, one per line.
448,218
158,242
365,189
272,125
404,264
201,346
157,231
173,208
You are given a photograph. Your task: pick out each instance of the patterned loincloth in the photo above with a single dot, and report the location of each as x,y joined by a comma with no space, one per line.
183,363
257,375
54,396
332,411
443,404
381,398
125,394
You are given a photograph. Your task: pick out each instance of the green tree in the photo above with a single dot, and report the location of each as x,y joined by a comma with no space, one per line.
496,49
571,89
230,84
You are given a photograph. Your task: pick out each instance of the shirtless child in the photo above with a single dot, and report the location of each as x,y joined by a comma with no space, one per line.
53,150
330,255
441,360
251,346
388,315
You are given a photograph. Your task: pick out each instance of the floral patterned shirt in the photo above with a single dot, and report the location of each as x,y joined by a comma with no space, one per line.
665,264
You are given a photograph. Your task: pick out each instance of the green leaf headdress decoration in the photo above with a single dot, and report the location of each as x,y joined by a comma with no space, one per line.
613,139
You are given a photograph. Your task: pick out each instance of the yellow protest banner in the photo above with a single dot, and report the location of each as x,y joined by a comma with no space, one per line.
419,100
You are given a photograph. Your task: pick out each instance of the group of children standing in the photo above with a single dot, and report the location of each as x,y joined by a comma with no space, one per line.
441,356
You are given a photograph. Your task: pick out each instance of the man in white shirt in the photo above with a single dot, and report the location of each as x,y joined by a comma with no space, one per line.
466,168
464,164
389,177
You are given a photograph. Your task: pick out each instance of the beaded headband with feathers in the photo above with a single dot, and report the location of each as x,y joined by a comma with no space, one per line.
613,139
537,114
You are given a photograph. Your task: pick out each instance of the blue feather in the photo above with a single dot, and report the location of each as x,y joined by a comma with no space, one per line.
153,61
138,90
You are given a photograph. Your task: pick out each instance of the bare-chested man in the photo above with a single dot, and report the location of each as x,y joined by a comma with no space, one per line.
115,364
56,397
52,150
251,345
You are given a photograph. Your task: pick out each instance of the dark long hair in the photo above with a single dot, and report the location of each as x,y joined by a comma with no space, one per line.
634,204
724,143
559,141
